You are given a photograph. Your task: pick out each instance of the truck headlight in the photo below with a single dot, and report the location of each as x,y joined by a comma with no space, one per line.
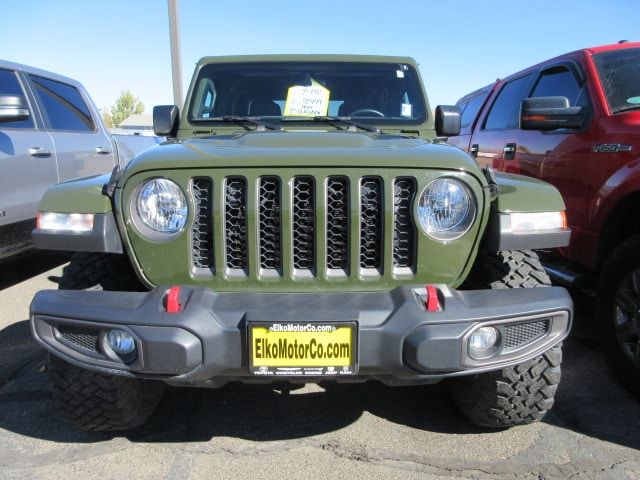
446,209
161,207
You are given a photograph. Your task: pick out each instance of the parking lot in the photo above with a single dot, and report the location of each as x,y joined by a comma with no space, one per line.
347,431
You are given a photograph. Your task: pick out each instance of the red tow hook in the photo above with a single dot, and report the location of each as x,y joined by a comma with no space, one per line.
173,300
432,303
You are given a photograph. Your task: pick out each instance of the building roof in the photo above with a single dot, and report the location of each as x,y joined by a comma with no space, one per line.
139,120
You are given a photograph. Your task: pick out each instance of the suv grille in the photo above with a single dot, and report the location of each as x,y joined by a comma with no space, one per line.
304,226
235,223
338,224
371,223
304,223
202,230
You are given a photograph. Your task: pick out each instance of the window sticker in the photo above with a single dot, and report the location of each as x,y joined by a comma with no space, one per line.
633,100
406,110
399,74
311,101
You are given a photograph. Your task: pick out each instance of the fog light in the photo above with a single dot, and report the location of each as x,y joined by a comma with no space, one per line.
483,342
121,342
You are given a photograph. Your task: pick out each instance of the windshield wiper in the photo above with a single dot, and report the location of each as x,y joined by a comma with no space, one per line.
244,120
347,120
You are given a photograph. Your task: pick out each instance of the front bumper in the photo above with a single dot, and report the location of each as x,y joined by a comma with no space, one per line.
205,343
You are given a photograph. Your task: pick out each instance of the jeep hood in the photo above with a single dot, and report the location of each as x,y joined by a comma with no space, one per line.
300,149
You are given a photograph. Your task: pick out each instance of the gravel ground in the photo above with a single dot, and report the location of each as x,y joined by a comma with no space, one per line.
345,431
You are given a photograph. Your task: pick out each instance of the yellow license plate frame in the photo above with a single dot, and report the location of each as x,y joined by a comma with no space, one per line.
303,348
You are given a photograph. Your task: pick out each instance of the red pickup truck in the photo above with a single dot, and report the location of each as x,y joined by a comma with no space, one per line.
574,121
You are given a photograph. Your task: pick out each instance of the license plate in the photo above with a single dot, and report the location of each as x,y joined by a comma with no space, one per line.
303,349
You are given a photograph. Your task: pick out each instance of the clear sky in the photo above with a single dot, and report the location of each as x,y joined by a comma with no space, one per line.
112,45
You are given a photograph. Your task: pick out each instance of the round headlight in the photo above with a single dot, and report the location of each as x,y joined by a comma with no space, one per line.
446,209
161,206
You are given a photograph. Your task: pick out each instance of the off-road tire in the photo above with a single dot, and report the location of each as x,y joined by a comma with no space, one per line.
516,395
624,259
92,401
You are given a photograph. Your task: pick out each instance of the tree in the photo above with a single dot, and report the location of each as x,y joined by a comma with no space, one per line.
106,117
126,105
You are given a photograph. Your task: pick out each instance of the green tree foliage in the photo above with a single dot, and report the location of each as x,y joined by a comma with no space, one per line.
108,121
126,105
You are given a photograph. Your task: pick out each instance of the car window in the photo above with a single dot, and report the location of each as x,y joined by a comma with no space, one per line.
471,109
561,83
64,107
505,111
9,85
619,72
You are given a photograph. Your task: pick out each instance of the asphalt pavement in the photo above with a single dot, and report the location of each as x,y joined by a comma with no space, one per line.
336,431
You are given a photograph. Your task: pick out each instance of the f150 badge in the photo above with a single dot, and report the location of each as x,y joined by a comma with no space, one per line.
611,148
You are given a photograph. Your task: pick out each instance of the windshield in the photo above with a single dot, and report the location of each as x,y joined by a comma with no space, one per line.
379,93
619,72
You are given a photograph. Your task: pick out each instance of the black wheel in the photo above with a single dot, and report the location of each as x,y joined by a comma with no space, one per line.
89,400
516,395
619,312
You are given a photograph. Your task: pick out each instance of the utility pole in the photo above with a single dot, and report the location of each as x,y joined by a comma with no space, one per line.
176,63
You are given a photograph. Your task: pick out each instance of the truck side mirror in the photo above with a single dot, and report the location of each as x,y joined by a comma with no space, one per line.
447,121
551,113
13,108
165,120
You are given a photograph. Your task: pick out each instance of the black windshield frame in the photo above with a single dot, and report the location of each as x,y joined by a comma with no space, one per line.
229,85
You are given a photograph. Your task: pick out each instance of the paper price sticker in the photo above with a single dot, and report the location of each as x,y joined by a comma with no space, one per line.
311,101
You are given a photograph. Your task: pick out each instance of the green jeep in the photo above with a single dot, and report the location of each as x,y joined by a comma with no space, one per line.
303,223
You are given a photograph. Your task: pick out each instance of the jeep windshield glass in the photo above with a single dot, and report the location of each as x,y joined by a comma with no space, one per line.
373,93
619,72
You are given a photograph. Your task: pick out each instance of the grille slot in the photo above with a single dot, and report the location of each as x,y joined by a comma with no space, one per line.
404,231
202,229
84,337
303,228
235,224
514,336
269,223
338,223
371,223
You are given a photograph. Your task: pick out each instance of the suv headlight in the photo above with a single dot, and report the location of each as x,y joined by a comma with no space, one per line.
159,207
446,209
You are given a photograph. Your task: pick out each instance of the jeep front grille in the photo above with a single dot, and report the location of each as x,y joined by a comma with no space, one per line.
235,224
302,226
269,227
338,224
202,229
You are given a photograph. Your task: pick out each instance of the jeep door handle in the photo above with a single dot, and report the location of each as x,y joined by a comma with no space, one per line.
103,150
40,152
509,151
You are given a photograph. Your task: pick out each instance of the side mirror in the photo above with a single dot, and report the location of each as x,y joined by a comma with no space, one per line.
551,113
165,120
13,108
447,121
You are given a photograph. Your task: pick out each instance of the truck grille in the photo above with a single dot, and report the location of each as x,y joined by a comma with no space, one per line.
305,226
